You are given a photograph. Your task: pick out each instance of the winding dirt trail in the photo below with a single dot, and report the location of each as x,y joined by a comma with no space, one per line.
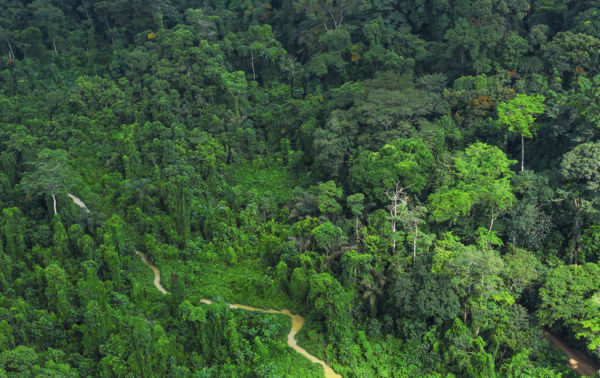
155,270
578,361
297,320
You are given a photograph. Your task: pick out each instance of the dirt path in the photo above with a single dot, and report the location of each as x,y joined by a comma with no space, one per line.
297,320
578,361
78,202
155,270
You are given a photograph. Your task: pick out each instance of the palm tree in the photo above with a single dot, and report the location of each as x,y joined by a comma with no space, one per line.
90,219
302,242
211,214
374,286
142,191
338,246
306,205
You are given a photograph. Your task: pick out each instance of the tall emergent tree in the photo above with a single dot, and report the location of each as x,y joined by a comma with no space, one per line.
52,175
519,115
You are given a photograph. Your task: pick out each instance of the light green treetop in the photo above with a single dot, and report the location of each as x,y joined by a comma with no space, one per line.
519,113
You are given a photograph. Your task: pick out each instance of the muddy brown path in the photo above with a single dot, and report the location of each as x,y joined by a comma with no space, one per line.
297,320
578,361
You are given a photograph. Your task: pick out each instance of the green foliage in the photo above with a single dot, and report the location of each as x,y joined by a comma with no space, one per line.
519,113
406,160
569,295
326,200
392,100
51,175
351,161
481,177
355,202
569,51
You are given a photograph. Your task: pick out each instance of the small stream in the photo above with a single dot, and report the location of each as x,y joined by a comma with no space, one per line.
297,320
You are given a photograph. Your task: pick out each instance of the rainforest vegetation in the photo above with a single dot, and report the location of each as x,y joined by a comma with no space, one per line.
419,179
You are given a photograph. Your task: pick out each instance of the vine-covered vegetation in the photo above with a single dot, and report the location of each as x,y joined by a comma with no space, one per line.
418,178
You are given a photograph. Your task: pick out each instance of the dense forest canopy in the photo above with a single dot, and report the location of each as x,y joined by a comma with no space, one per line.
418,178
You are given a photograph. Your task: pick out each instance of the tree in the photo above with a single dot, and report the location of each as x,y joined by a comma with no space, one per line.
331,302
5,270
260,43
330,11
14,230
96,328
422,295
50,19
61,240
58,292
398,207
373,289
411,220
528,222
355,265
407,160
52,175
573,53
590,243
329,237
235,83
478,27
335,141
520,271
476,271
19,361
570,295
519,115
392,99
355,203
326,198
580,168
113,263
141,192
481,176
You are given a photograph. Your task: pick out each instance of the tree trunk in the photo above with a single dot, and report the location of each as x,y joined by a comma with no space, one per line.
10,50
237,109
54,199
462,62
415,243
576,234
253,73
514,239
522,152
85,8
394,226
